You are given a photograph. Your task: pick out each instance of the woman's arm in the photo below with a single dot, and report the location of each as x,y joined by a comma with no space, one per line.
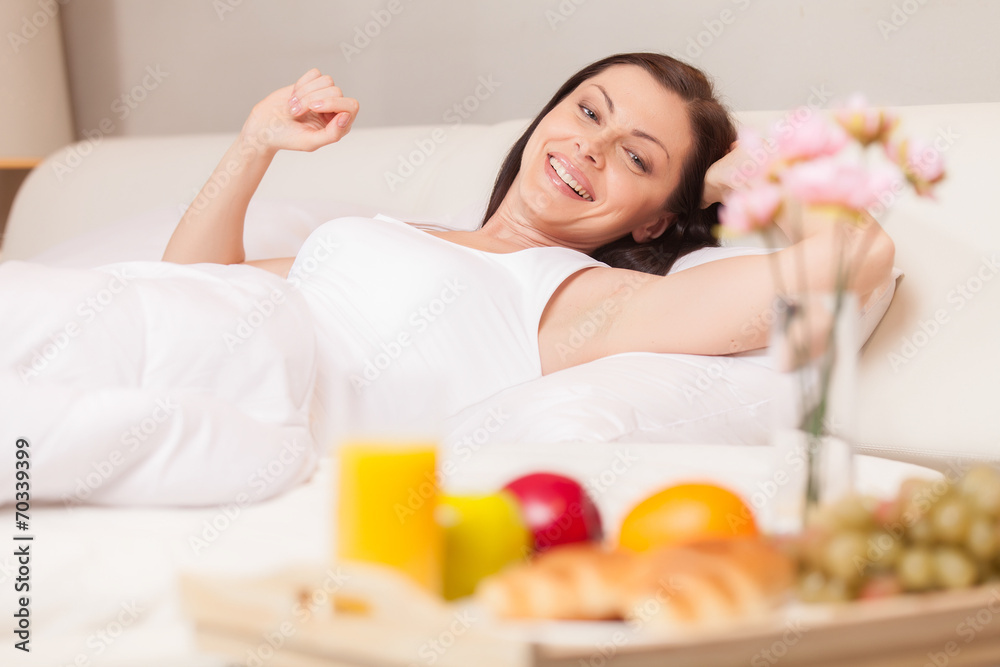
211,229
310,114
724,306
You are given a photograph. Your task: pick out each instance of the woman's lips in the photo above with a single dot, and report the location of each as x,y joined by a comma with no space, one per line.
562,185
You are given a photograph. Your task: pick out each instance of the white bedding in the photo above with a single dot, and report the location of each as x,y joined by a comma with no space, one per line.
640,398
175,337
149,382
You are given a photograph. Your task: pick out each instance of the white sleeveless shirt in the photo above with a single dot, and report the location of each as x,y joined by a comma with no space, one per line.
397,309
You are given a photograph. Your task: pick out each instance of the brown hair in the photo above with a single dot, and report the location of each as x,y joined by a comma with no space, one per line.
713,131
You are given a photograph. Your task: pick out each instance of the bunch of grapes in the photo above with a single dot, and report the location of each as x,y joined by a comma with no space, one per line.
933,535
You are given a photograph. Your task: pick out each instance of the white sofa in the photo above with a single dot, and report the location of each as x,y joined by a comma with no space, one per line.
926,376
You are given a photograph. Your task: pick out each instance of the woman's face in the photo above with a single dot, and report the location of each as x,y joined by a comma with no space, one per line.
623,139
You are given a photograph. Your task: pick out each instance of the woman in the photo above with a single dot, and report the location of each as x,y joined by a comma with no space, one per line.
613,167
618,176
636,133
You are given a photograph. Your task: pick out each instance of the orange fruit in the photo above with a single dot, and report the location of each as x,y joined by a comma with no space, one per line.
686,513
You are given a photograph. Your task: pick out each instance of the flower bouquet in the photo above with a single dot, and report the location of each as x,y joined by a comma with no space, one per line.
814,170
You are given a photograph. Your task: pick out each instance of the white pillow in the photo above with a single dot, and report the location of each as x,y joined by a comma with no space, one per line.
645,397
634,397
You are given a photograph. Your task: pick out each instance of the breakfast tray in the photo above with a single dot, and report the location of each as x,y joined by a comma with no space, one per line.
288,620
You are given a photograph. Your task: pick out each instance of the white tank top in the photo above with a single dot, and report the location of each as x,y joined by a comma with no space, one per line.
398,309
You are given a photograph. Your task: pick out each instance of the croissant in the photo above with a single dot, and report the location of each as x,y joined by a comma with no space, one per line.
696,584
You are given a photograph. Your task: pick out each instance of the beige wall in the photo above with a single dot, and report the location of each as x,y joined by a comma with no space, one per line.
151,67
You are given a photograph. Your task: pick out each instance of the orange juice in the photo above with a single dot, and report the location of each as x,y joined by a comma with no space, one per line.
387,495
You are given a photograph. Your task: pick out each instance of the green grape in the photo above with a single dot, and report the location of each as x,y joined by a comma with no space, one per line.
823,519
917,495
846,556
921,532
838,590
953,568
916,569
983,538
815,587
981,487
854,512
812,546
950,520
883,549
812,586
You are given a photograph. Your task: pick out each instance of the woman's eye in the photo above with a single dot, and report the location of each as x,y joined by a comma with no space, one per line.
637,160
588,113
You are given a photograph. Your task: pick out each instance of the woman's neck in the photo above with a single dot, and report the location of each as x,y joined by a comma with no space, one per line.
480,240
518,232
500,234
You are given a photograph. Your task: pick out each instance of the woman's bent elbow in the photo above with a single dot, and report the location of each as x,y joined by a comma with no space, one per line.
876,264
186,256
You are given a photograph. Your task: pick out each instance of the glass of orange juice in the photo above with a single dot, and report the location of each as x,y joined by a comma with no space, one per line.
387,488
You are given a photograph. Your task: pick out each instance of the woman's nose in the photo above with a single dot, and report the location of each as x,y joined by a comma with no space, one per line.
592,147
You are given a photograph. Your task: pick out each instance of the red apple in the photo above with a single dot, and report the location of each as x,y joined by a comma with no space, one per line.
556,509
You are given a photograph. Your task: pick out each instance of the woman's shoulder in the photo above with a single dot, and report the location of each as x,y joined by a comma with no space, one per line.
597,287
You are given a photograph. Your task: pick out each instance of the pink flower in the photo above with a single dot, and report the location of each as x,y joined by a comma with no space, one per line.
745,211
814,137
864,123
837,182
884,181
920,161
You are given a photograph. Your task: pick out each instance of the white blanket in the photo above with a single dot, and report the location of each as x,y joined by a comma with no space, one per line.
666,398
155,383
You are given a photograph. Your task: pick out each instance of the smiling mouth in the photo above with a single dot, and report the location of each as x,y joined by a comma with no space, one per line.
568,180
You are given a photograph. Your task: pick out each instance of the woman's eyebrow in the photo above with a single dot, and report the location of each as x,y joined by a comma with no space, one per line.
607,98
637,133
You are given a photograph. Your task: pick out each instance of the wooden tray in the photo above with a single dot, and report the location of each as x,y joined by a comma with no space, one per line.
288,620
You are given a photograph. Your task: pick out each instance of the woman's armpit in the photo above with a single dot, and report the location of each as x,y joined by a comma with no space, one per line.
279,266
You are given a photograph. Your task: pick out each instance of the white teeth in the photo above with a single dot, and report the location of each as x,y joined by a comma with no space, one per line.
564,175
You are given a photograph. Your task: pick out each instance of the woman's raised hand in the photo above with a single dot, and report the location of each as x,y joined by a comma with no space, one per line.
302,117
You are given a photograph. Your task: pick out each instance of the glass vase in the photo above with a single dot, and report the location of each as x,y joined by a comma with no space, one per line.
814,346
